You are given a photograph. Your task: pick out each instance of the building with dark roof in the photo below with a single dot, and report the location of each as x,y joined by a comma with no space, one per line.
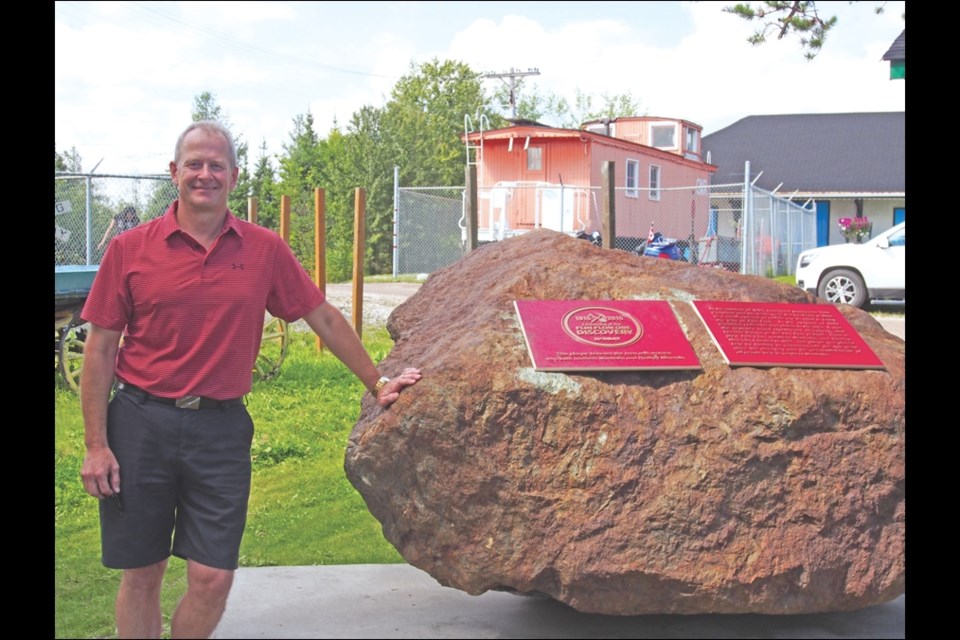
841,163
897,55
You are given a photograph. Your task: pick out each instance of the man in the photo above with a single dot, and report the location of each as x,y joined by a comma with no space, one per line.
123,221
187,292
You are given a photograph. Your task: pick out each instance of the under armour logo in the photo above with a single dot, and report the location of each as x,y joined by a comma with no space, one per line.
238,266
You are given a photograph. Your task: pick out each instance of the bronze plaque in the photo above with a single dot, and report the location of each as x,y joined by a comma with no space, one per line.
604,335
773,334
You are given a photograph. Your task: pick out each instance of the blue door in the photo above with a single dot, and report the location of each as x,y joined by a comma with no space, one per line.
899,214
823,224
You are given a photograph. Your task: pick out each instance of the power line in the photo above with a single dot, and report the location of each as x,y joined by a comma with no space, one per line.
255,49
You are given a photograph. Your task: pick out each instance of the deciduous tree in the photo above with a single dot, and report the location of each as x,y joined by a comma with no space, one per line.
552,109
67,161
424,121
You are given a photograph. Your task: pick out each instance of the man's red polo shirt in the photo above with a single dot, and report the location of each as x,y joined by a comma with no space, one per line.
193,319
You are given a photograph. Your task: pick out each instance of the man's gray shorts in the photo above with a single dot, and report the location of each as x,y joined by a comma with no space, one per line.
184,473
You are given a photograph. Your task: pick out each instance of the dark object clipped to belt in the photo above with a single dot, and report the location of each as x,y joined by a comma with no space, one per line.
186,402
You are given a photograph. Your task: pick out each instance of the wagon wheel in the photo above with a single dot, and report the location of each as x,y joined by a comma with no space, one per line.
273,349
70,343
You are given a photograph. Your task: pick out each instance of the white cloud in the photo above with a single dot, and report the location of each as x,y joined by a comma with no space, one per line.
126,74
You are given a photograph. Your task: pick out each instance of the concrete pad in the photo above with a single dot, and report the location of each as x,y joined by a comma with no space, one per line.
401,601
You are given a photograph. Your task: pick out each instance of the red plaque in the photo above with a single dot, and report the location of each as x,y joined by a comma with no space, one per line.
604,335
773,334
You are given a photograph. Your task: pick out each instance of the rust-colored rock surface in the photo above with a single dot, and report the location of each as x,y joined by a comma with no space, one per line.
726,490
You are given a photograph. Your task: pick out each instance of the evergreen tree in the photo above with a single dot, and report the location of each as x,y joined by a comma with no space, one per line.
370,165
340,180
300,174
264,188
205,107
799,18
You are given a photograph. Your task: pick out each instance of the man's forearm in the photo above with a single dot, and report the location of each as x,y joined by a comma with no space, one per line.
328,323
100,472
99,364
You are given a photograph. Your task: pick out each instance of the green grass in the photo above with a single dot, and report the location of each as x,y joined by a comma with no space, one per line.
303,510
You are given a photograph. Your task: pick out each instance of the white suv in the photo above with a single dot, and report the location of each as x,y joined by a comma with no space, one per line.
855,274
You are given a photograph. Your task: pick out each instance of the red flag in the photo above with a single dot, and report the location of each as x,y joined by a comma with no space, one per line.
650,235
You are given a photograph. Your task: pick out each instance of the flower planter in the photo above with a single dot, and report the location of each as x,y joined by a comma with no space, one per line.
856,230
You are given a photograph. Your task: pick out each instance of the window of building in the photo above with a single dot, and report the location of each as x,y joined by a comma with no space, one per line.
654,182
664,136
693,140
534,159
633,178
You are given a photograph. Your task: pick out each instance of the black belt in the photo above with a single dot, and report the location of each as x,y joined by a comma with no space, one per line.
186,402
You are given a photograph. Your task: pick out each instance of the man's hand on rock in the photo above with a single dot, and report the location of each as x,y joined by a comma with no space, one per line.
390,391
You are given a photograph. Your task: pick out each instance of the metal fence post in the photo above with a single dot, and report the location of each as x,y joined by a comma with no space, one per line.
608,219
89,222
746,218
396,220
470,175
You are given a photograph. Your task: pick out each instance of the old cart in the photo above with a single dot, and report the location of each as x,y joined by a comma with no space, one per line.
72,286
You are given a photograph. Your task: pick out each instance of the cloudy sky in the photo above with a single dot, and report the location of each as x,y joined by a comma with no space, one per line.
127,73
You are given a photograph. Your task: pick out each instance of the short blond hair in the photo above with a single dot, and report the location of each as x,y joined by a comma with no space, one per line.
211,126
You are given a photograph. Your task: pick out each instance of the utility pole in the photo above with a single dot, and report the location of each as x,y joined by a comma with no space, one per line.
513,74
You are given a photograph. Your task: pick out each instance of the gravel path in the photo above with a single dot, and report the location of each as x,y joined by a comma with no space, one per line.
379,300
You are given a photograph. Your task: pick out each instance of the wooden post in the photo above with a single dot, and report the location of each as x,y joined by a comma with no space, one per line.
252,209
608,215
320,244
285,218
359,244
470,176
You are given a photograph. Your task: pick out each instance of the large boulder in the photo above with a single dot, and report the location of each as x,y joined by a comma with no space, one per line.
726,490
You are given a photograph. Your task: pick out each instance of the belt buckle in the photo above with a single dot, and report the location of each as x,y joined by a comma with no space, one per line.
188,402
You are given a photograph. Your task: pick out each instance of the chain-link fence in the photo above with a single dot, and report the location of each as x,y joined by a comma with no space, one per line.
738,228
89,209
430,228
776,231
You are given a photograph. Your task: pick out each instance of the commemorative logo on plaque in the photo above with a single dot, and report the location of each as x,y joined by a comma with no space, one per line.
602,327
604,335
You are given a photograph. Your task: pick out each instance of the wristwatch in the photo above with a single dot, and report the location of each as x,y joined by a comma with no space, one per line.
376,388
